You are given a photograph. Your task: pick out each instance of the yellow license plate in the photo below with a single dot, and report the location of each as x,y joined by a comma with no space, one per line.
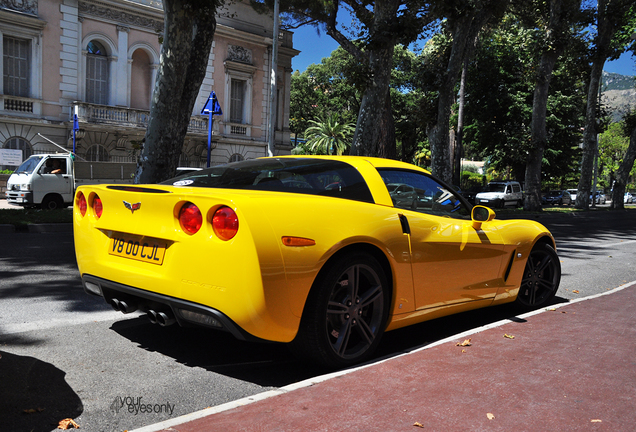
138,248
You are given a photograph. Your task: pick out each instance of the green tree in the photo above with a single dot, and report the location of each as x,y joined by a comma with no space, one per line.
462,25
627,165
189,27
329,136
500,86
615,21
612,145
378,26
553,22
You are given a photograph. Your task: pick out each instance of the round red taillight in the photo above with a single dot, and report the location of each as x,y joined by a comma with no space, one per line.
190,218
97,206
225,223
81,203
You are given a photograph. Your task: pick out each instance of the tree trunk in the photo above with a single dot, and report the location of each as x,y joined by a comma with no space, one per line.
622,175
188,33
589,136
459,143
375,129
554,45
538,138
464,33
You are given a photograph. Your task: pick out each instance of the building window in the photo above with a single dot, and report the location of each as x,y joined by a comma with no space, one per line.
96,74
236,101
19,144
16,66
97,153
236,157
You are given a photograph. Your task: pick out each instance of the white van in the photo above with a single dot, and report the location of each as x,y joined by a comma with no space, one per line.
45,180
500,194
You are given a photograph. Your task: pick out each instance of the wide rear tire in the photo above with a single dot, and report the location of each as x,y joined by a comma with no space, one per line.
346,312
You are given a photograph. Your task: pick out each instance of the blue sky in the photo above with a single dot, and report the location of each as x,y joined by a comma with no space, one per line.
315,47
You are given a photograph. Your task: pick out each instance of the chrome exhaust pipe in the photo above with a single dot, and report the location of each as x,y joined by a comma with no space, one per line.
164,320
126,307
115,304
122,306
152,316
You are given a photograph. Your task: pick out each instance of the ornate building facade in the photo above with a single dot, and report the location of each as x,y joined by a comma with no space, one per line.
99,58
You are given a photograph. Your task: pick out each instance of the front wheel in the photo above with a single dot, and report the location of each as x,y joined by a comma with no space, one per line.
346,312
52,202
541,277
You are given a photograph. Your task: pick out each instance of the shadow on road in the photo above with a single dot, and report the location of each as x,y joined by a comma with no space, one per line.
34,395
273,364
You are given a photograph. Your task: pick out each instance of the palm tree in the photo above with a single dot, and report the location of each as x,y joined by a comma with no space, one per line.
329,135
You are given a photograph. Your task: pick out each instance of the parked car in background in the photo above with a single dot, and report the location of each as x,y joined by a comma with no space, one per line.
628,198
499,194
600,198
557,197
573,193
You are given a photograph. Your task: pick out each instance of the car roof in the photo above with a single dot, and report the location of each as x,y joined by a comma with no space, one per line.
377,162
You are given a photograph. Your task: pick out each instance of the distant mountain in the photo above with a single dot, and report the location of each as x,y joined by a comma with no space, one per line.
619,93
614,81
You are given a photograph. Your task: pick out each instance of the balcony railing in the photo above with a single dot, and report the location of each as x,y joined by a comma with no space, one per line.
128,117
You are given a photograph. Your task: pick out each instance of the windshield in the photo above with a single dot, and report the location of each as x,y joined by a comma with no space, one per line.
496,187
302,175
28,165
554,193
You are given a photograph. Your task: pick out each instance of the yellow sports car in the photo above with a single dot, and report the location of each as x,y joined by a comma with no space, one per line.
324,252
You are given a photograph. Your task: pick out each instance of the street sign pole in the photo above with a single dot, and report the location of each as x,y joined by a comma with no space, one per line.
211,108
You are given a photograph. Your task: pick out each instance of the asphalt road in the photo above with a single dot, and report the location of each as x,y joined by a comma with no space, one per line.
67,354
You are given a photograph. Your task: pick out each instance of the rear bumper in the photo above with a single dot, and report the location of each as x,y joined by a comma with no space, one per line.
145,300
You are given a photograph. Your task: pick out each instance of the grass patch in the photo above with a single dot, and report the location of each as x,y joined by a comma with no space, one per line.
20,218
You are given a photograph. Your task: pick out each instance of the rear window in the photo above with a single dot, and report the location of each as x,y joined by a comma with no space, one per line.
302,175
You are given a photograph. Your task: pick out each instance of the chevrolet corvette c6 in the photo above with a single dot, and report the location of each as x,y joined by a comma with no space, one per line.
326,253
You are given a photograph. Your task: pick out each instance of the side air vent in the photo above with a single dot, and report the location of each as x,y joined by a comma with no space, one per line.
512,259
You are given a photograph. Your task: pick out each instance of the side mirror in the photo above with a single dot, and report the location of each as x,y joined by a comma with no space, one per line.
481,214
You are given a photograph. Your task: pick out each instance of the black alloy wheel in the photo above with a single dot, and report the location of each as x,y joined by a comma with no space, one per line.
541,277
346,312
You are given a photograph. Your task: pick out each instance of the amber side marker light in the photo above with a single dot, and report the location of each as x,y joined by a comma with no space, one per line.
225,223
97,206
82,205
190,218
298,241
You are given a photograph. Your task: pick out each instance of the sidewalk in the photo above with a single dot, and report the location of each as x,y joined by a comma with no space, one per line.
572,367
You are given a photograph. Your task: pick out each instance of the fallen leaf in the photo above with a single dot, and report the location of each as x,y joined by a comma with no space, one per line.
490,416
563,312
575,291
552,309
418,424
465,343
506,335
597,421
67,424
463,351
